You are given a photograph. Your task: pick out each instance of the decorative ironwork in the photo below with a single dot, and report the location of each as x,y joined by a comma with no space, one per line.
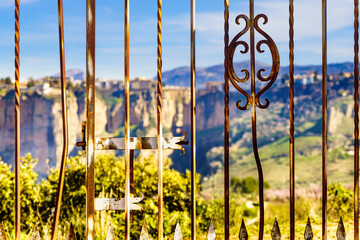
340,232
178,234
252,99
308,235
275,231
71,234
144,235
110,234
243,235
211,235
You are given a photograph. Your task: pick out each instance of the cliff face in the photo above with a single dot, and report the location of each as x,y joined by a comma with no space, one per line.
41,121
41,126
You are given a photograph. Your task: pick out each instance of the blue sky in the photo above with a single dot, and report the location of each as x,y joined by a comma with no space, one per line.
39,34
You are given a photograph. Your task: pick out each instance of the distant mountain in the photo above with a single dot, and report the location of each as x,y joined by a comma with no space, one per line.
75,73
181,76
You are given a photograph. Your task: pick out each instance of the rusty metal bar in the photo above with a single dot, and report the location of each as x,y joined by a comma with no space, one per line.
324,120
127,119
64,121
291,118
356,119
90,116
159,122
193,123
17,120
226,119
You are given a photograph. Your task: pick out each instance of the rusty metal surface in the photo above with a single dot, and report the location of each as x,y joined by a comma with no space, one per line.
64,121
71,234
193,121
102,204
324,120
90,118
35,233
253,99
2,232
127,118
308,234
340,232
275,231
144,143
243,235
110,234
226,120
178,234
356,120
159,122
291,119
144,234
17,120
211,235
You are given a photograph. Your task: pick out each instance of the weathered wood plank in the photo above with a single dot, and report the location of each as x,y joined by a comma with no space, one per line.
340,232
71,234
275,232
178,234
35,234
308,235
110,234
144,235
243,234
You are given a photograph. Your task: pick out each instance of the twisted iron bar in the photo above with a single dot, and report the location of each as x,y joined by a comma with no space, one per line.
159,122
17,120
226,118
252,99
356,120
291,119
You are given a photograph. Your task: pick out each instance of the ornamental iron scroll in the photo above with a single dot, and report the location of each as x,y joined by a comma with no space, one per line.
253,99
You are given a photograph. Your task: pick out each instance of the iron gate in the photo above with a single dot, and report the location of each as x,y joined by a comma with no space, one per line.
253,100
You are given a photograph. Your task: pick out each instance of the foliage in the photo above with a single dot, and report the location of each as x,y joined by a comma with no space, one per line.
38,196
340,200
246,185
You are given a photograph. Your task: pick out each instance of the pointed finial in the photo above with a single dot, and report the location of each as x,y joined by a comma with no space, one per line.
144,235
341,233
35,235
275,232
71,234
178,234
110,234
308,235
243,235
211,235
2,232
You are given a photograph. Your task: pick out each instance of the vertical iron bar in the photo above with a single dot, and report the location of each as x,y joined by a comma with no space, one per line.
131,178
291,118
17,120
90,116
356,120
127,120
226,118
64,120
159,122
324,120
253,120
193,124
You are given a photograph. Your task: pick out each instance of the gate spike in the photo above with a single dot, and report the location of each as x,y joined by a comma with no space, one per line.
144,235
275,232
110,234
71,234
2,232
35,235
243,235
341,233
308,235
211,235
178,234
